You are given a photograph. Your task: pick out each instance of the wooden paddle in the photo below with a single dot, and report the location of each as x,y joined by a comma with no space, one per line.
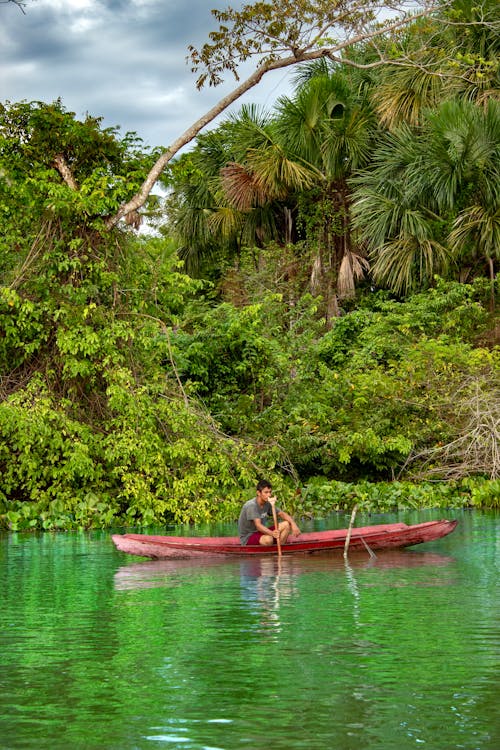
275,519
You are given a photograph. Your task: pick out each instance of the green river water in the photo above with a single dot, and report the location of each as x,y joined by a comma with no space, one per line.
100,650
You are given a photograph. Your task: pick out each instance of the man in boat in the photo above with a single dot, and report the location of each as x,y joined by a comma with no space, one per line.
251,523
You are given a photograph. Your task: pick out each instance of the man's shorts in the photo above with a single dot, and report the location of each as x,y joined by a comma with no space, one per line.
255,537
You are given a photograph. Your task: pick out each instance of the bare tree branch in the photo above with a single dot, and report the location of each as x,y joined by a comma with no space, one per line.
21,5
476,447
62,167
280,38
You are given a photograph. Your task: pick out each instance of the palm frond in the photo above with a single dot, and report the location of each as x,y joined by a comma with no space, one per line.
225,221
404,263
352,269
276,174
405,94
347,144
479,227
305,72
241,188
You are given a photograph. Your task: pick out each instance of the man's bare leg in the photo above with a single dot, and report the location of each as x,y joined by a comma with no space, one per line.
266,540
285,530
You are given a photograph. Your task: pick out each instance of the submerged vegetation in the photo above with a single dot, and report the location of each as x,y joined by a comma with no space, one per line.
314,301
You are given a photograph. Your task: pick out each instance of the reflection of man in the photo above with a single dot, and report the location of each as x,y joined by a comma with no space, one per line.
251,526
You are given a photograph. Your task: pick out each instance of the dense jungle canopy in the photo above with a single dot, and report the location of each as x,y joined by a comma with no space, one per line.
311,299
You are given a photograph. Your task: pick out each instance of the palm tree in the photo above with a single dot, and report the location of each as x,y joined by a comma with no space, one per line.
436,61
193,197
282,177
316,139
327,127
231,191
431,198
475,233
265,169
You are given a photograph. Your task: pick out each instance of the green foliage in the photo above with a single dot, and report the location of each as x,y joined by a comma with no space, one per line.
48,465
430,198
233,349
320,496
23,328
353,402
93,431
383,330
61,173
484,494
158,460
84,441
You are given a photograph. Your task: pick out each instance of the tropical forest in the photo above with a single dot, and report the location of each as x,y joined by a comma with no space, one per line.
306,293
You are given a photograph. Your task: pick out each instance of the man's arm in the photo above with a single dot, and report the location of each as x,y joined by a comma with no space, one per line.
287,517
264,529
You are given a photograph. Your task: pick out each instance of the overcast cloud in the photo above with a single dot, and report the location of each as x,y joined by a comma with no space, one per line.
123,60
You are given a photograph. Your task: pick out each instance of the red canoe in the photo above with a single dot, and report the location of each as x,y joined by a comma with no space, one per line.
384,536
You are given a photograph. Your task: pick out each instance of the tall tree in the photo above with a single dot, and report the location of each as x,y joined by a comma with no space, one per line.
285,170
218,201
459,58
278,36
431,198
328,125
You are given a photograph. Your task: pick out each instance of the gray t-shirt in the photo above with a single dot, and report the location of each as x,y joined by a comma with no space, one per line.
250,511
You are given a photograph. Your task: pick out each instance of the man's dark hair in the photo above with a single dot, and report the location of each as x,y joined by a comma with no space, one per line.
263,484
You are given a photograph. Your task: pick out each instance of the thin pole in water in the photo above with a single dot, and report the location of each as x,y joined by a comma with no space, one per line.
349,530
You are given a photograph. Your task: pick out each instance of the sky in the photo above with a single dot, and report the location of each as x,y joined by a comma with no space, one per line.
122,60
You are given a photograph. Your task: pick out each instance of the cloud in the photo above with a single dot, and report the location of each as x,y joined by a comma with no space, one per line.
122,60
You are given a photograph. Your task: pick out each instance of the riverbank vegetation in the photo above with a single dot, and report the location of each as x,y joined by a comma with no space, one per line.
314,301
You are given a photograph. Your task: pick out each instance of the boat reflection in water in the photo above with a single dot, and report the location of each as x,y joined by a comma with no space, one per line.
265,584
167,573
